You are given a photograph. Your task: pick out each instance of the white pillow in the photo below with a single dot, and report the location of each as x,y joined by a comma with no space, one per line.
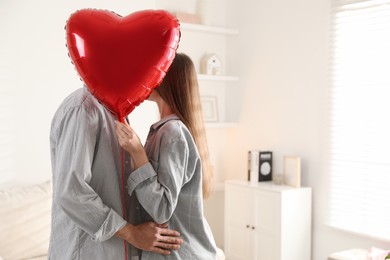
25,214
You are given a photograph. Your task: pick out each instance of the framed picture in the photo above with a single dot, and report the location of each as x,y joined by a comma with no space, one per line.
292,171
210,108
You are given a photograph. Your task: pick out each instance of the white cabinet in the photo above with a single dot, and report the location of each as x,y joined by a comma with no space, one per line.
199,40
267,222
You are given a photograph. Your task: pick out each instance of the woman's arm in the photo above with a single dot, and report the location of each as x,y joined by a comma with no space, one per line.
157,193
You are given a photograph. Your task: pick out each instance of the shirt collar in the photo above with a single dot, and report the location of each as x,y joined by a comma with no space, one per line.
164,120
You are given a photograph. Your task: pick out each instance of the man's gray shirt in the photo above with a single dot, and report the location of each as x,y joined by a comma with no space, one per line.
86,167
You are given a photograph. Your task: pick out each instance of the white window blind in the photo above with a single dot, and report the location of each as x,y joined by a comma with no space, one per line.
359,117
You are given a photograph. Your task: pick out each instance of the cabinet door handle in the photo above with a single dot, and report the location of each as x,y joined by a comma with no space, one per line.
247,226
253,227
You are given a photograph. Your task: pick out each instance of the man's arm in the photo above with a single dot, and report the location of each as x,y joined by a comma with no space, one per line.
150,236
74,141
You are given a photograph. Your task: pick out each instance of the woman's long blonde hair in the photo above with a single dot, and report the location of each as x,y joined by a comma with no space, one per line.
180,91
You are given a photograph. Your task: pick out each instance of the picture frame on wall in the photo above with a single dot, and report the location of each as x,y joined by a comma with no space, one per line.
210,108
292,171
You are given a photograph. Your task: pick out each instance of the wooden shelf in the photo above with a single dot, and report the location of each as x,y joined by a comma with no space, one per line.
217,78
223,83
220,124
209,29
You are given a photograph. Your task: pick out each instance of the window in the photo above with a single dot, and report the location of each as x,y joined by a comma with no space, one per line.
359,117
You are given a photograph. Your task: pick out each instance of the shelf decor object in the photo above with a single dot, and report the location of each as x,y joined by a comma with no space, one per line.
210,64
253,166
210,108
292,171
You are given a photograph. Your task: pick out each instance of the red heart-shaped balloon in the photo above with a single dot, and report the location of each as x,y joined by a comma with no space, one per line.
122,59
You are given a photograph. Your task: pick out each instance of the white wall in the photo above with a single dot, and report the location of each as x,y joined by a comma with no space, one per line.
283,66
281,56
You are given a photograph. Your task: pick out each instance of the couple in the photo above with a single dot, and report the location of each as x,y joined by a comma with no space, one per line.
165,180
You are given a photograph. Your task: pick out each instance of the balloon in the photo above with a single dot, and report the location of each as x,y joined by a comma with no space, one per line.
122,59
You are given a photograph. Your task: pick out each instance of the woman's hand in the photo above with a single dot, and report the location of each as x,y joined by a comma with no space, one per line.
130,141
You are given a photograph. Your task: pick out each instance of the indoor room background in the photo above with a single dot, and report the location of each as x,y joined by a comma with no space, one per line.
280,54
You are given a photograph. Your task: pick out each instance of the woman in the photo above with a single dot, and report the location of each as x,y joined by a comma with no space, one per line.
172,173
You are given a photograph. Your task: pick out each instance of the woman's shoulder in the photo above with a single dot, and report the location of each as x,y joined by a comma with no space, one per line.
175,130
174,127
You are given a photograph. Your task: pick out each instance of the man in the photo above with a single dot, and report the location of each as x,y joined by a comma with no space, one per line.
87,217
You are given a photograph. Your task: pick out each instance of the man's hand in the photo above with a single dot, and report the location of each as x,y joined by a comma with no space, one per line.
150,236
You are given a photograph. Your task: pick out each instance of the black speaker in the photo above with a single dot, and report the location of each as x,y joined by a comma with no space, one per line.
265,166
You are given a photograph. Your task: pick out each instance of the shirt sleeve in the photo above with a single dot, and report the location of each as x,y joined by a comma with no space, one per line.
77,137
158,192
